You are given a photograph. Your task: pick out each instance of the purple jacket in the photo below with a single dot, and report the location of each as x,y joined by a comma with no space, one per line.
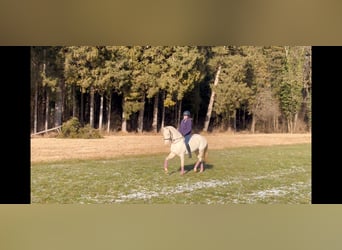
185,127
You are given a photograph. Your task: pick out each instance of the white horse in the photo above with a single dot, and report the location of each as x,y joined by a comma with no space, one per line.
198,144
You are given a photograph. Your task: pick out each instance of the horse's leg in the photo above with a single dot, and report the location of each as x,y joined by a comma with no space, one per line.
196,165
202,167
200,160
197,162
169,157
182,163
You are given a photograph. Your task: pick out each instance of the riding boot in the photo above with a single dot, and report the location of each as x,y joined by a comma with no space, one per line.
188,148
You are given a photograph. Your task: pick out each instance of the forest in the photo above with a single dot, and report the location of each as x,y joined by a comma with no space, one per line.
254,89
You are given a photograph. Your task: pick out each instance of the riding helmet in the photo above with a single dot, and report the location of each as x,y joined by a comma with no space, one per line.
186,112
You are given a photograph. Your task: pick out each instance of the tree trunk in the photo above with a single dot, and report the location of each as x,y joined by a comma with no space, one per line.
253,124
234,120
109,110
91,115
59,103
211,102
124,120
141,115
101,112
35,119
155,113
82,108
244,118
179,112
289,125
47,100
73,100
163,112
175,112
295,119
229,123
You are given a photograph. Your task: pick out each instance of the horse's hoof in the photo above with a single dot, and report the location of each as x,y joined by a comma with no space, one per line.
166,171
195,170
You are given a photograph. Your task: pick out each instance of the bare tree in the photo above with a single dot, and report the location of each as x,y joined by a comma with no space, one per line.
211,102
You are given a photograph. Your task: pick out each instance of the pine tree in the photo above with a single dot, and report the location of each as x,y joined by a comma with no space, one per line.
232,91
81,68
291,88
184,69
217,55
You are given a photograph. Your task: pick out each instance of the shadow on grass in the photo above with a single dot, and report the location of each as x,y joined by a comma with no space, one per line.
190,168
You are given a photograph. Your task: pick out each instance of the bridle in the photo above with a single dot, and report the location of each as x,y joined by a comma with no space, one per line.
171,137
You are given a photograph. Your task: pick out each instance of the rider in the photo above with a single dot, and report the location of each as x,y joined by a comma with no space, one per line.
185,129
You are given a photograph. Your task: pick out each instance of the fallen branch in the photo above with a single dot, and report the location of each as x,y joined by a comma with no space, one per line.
58,128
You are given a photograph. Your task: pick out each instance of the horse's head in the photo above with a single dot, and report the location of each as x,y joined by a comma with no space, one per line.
167,135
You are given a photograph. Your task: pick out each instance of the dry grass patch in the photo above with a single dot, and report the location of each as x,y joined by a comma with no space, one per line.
53,149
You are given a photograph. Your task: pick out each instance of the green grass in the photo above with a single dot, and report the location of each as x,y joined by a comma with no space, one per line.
248,175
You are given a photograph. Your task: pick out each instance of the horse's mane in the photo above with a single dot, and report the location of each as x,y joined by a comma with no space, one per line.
173,130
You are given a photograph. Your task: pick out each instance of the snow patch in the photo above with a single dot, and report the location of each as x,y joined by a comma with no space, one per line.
181,188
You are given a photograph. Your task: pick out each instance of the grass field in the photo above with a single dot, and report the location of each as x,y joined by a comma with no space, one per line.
278,174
